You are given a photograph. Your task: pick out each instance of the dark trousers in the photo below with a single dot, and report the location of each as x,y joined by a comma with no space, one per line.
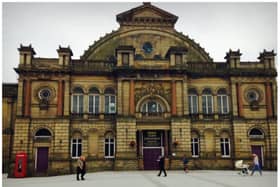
82,172
162,169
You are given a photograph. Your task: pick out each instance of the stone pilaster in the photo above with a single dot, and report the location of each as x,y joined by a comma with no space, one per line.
268,99
20,96
131,98
66,98
174,102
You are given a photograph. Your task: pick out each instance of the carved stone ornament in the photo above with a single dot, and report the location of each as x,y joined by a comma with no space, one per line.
152,89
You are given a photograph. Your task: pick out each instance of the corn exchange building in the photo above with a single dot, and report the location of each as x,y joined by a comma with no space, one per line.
141,91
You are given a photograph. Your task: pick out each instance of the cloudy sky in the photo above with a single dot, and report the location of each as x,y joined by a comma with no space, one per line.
217,27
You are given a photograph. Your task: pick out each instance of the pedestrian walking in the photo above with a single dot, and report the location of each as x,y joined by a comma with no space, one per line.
256,164
81,168
185,164
161,166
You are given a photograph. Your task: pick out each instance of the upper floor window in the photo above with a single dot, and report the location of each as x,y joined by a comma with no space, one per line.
193,104
178,59
207,101
125,58
94,98
223,106
77,100
110,101
152,107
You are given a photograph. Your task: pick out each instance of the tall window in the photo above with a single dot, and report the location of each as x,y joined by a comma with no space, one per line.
110,101
222,97
225,145
76,147
178,59
125,58
93,101
152,107
207,101
193,104
195,145
109,146
77,100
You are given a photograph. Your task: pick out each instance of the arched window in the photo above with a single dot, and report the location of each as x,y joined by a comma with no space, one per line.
109,146
225,145
110,101
76,145
193,104
256,133
77,100
207,101
93,99
151,107
195,144
43,133
222,97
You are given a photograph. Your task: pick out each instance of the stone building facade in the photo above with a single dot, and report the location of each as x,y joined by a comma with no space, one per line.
142,91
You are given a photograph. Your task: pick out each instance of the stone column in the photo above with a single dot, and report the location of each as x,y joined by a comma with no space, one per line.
239,98
131,98
119,99
200,112
173,86
140,143
185,98
166,143
27,97
268,99
215,106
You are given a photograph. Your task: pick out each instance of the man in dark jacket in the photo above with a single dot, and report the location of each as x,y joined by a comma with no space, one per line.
161,166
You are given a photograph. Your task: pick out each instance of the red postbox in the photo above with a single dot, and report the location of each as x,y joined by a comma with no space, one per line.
20,165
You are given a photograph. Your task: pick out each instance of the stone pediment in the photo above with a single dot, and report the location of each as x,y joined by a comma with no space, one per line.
147,14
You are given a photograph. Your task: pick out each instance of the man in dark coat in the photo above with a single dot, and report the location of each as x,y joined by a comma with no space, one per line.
161,166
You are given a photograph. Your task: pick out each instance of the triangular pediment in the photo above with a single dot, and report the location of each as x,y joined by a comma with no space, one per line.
147,14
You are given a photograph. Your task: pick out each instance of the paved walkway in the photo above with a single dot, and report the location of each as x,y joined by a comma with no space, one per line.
201,178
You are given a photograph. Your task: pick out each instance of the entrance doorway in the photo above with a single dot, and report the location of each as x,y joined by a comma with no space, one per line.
150,157
152,148
42,159
257,149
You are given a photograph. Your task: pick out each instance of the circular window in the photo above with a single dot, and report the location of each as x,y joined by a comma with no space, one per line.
252,95
45,94
147,47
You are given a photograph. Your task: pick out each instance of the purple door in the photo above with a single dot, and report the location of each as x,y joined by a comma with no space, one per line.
150,157
257,149
42,159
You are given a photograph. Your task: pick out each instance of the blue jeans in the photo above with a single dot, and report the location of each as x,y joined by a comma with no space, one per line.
257,167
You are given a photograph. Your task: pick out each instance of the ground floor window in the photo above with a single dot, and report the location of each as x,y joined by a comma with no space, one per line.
76,150
195,147
225,147
109,147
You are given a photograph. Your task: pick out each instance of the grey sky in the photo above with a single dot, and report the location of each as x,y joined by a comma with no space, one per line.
251,27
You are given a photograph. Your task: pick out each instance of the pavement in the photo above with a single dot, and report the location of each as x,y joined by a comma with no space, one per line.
196,178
